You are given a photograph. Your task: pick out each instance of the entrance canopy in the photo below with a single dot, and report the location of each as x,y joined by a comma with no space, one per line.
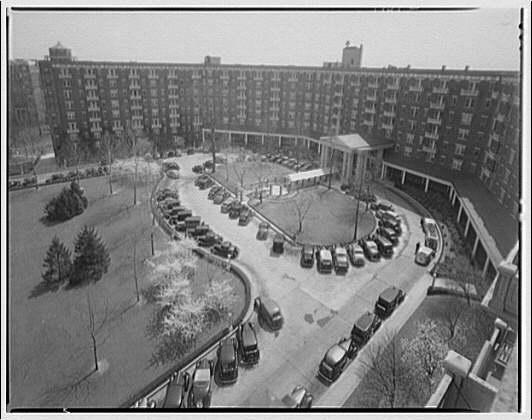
355,142
303,176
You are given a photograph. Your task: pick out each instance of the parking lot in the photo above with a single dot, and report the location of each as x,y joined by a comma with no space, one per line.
318,309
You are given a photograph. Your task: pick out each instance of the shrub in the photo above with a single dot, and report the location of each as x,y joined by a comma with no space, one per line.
69,203
57,263
91,260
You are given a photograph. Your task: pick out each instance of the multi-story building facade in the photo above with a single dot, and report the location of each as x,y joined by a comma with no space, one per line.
23,111
464,121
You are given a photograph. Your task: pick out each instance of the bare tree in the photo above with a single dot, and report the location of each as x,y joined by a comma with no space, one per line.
388,380
135,269
107,145
302,208
240,174
95,328
451,315
262,177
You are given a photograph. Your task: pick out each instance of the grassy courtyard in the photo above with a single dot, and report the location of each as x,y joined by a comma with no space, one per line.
330,218
50,354
240,173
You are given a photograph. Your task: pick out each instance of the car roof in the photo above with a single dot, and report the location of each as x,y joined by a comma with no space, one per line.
389,294
325,253
248,334
425,250
364,322
383,240
307,250
263,224
334,355
270,305
340,250
227,351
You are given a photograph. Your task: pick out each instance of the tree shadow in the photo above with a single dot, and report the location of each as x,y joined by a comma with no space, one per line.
44,287
75,386
50,223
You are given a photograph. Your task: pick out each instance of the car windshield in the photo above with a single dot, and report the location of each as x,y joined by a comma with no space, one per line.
202,377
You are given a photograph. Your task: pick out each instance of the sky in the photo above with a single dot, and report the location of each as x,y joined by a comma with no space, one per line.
484,39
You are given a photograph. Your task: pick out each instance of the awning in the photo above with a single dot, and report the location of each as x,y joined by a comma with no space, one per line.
301,176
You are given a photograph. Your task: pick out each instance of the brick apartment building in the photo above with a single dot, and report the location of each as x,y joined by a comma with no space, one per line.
463,121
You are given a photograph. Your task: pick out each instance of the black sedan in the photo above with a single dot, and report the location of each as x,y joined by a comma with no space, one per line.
227,363
307,257
248,347
225,250
336,359
176,390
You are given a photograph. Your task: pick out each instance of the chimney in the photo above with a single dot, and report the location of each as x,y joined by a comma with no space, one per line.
408,67
466,68
442,68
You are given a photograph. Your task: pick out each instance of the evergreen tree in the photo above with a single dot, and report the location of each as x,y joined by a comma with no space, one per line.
69,203
57,263
91,260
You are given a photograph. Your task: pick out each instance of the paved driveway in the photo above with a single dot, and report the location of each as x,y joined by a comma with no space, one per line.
318,309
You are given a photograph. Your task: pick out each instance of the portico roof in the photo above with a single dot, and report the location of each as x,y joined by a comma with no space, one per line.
355,142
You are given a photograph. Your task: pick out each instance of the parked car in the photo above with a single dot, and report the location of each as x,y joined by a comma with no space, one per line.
307,257
262,233
209,239
336,359
201,390
214,191
371,251
236,208
388,300
300,398
395,225
180,226
325,263
227,363
340,260
389,234
268,311
176,390
190,151
226,205
204,183
248,346
424,255
220,197
172,173
245,217
364,328
192,221
225,250
384,246
183,215
197,169
278,244
381,205
356,255
208,164
199,230
170,165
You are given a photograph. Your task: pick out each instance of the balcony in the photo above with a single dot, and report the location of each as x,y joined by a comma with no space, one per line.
436,121
94,109
438,105
388,113
72,130
371,97
373,85
368,110
196,76
441,90
134,76
393,86
500,117
258,78
390,100
89,76
224,76
152,76
469,92
93,119
134,86
369,123
92,97
241,87
429,148
133,97
241,77
91,87
494,137
432,135
416,88
387,126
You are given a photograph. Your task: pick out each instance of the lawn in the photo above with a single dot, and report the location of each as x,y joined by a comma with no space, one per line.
476,325
50,356
237,173
330,219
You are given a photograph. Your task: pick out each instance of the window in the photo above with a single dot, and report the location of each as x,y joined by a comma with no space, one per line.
68,94
463,133
459,149
454,98
466,118
71,116
487,104
469,103
114,103
407,151
457,164
116,113
414,110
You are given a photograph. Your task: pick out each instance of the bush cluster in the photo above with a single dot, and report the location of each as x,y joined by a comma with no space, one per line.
69,203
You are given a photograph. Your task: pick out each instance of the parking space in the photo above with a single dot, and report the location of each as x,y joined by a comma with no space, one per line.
318,309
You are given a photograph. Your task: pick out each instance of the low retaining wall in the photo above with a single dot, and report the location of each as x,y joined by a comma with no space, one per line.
207,347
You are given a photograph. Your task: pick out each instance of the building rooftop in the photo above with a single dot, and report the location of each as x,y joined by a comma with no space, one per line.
356,142
496,219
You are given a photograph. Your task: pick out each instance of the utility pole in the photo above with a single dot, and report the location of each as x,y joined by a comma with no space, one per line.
356,214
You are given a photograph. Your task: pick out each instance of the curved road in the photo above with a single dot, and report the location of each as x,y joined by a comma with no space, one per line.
318,309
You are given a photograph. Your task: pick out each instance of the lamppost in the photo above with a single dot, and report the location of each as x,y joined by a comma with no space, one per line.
362,176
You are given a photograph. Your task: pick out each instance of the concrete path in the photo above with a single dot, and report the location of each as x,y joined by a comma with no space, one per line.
318,309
